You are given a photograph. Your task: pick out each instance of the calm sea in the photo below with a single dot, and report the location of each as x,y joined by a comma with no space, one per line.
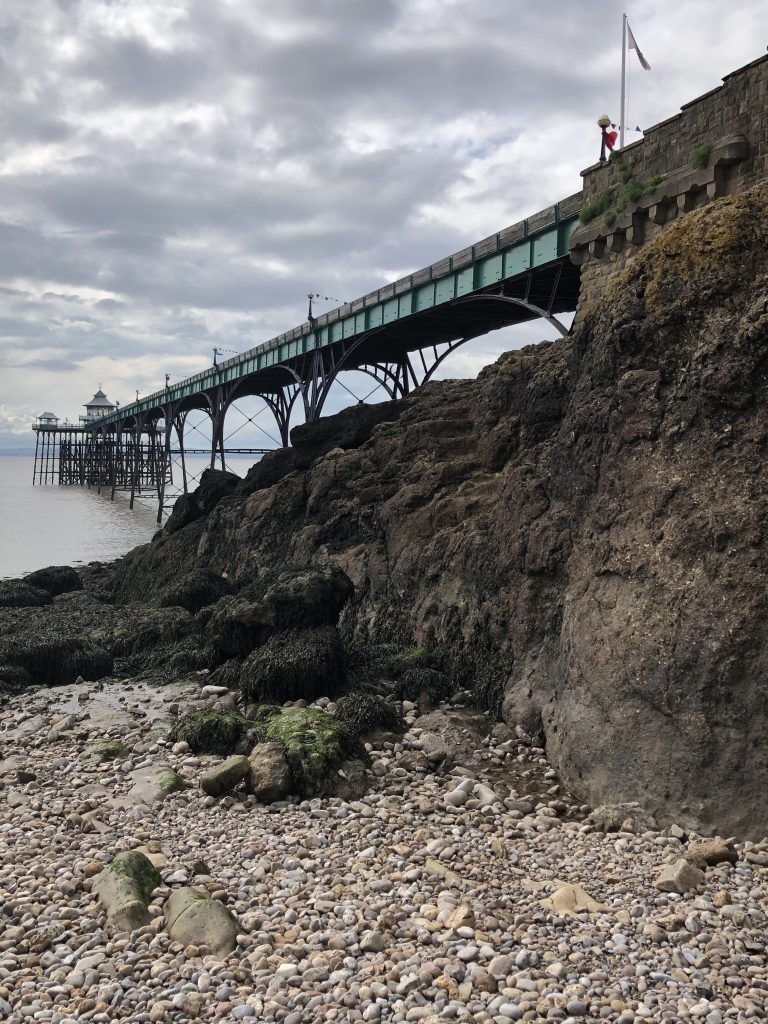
50,525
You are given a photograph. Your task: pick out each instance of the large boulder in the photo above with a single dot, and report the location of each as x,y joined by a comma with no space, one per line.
125,887
194,919
270,776
295,600
317,749
210,732
54,662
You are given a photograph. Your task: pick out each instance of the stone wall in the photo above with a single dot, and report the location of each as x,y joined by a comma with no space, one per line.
724,128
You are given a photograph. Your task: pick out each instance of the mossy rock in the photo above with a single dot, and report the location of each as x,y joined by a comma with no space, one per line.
55,579
171,782
211,732
131,864
363,713
19,594
107,750
315,746
294,665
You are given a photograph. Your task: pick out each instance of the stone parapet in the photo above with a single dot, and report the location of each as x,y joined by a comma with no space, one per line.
717,145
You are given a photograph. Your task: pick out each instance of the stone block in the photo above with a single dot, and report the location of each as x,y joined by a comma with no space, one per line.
680,876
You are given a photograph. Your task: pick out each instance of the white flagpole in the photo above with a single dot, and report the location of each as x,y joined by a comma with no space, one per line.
623,79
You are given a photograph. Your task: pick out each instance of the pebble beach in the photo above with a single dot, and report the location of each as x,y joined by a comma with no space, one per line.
469,888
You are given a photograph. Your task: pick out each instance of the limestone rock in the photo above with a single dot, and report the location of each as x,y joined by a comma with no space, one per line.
269,778
124,887
194,919
570,901
711,851
223,777
679,876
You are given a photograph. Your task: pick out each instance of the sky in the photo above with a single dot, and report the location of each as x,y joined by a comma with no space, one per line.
178,174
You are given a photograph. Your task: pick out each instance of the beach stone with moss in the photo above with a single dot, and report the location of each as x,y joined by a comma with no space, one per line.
153,785
223,777
125,887
107,750
316,747
194,919
294,665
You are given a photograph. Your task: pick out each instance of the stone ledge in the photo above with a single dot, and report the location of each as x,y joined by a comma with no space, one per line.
681,191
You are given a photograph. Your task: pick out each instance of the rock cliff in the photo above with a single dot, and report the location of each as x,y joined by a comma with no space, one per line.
578,533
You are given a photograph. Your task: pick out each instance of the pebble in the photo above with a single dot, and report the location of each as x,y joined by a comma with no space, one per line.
420,901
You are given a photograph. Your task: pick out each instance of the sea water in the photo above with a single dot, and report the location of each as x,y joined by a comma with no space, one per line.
50,525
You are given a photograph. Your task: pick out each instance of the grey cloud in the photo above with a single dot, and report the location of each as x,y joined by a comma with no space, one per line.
54,365
133,72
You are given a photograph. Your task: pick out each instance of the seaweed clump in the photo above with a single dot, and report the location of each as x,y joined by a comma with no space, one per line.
417,677
212,732
363,713
294,665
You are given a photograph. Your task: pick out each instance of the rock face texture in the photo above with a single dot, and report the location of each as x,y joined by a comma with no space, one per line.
580,532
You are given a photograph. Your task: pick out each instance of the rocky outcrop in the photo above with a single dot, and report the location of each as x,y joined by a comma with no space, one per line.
577,536
578,531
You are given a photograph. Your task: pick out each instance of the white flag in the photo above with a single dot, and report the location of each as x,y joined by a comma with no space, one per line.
633,46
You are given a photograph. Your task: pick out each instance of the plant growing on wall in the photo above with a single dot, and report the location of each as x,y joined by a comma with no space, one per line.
630,190
700,157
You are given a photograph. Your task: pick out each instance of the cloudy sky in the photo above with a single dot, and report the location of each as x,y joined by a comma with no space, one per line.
178,174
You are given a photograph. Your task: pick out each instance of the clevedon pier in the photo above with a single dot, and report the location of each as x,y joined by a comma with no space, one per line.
558,261
398,335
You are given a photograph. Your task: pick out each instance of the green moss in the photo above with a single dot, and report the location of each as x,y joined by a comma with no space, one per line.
171,782
210,732
139,869
700,157
107,750
315,746
631,191
362,713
